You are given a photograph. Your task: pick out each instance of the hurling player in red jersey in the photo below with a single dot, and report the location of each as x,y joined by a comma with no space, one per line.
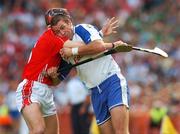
34,95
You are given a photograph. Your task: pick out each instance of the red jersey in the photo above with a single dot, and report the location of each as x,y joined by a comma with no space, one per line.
44,55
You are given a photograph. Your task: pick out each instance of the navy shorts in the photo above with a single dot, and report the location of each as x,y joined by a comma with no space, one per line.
110,93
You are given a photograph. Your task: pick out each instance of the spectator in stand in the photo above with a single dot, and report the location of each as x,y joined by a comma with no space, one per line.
79,100
5,119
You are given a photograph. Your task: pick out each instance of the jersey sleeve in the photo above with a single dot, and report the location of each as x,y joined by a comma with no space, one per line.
87,33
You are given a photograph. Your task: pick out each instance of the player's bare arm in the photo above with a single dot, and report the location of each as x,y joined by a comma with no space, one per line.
94,47
71,44
109,28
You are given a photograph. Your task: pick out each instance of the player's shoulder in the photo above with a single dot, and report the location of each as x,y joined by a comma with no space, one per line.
85,26
46,34
49,36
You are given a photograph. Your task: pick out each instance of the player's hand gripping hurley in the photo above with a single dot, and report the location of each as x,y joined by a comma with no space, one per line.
120,48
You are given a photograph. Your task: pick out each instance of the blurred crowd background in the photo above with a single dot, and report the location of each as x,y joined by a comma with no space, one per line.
154,81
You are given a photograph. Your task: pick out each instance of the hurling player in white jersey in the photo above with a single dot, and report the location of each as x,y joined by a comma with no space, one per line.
109,90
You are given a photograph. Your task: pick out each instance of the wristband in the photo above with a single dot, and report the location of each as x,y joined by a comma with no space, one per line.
75,51
113,45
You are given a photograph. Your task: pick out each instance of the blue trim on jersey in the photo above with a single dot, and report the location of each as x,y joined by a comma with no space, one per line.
83,33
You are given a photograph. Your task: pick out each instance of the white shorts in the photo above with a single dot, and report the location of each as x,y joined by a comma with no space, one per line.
29,91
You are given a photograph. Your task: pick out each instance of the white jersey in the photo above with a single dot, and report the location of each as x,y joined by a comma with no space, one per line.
94,72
